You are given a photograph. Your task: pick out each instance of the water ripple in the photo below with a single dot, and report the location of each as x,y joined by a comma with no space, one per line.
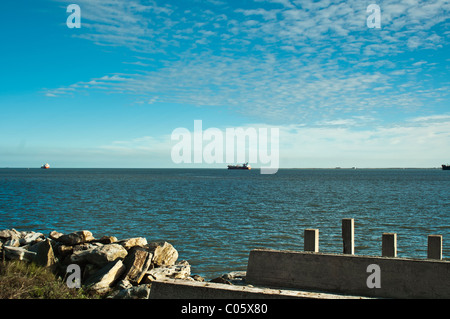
215,217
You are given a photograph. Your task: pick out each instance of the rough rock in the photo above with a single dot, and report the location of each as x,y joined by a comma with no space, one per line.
75,238
18,253
83,247
13,242
55,235
89,270
107,253
221,280
137,263
44,253
104,278
99,255
133,292
80,256
182,270
128,266
124,284
198,278
132,242
8,234
64,250
235,277
164,254
30,238
107,240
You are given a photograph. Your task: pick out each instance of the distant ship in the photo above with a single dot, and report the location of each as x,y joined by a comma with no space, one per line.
446,167
243,166
45,166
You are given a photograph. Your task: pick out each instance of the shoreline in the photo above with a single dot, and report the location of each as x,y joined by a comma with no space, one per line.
117,268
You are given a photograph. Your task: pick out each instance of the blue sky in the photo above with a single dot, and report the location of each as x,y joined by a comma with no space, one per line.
110,93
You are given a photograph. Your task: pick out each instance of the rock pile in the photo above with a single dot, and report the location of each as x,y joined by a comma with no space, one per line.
119,268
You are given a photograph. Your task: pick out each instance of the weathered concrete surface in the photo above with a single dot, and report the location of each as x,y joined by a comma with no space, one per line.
184,289
348,274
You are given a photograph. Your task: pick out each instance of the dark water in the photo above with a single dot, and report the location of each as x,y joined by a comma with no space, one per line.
215,217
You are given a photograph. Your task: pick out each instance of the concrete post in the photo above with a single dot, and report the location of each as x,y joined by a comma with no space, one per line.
348,235
435,247
389,245
312,240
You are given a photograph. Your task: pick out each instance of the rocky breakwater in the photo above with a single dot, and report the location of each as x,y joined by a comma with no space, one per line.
116,268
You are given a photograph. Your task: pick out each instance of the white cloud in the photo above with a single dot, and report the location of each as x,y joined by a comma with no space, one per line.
141,144
273,58
340,143
402,145
153,26
431,119
270,88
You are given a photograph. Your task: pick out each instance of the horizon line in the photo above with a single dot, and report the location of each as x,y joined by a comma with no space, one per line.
223,168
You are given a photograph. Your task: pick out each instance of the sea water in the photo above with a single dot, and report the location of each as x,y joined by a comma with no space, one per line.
215,217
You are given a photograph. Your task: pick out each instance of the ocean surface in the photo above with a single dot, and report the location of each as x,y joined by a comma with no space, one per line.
215,217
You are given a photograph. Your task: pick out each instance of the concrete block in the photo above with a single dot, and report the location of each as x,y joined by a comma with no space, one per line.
389,245
311,238
349,274
434,247
348,235
184,289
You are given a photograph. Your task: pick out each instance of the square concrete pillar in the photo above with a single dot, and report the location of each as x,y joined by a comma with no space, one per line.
389,245
311,240
435,247
348,235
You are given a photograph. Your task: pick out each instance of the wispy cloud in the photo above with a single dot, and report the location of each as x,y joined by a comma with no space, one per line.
149,144
287,59
151,26
416,142
267,88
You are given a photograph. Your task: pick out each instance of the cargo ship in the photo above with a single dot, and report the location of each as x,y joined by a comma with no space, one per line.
45,166
446,167
243,166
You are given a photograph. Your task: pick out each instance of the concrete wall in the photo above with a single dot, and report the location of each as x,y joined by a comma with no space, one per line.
348,274
181,289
